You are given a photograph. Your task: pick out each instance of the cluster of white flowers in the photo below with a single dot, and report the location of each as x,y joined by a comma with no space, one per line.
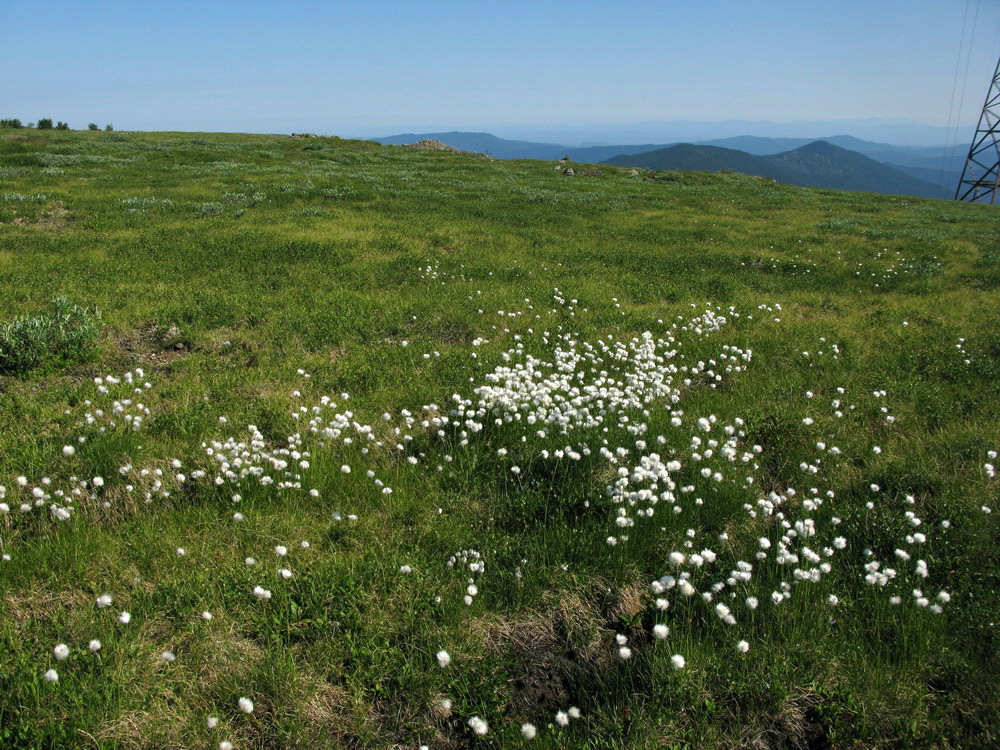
470,561
563,717
591,402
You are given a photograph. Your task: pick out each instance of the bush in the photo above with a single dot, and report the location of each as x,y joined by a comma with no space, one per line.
45,123
62,125
92,126
65,332
108,128
12,122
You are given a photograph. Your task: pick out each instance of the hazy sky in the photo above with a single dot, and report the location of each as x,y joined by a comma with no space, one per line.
380,66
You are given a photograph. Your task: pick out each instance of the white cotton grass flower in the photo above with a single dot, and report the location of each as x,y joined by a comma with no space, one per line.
742,647
625,653
206,615
678,661
562,718
661,631
68,450
212,722
528,731
285,573
225,745
61,651
478,725
281,550
125,618
104,600
168,656
261,593
443,658
94,646
51,675
405,569
246,705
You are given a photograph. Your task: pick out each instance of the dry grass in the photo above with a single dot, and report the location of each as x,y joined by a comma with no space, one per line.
38,605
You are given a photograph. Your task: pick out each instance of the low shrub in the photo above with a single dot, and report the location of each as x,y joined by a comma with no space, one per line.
64,332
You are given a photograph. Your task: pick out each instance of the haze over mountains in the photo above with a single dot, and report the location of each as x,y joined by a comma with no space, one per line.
879,130
841,162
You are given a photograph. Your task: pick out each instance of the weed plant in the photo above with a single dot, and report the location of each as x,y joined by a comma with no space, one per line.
65,333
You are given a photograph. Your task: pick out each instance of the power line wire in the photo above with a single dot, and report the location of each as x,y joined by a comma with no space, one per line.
951,136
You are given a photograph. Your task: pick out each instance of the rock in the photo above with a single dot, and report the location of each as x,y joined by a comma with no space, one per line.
171,337
633,173
433,145
569,172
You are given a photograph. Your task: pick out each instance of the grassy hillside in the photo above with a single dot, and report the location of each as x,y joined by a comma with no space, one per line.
385,448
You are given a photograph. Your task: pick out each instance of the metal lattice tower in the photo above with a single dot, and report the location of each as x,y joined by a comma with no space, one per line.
981,177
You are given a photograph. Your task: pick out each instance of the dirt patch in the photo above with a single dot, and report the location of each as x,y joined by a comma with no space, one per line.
560,649
154,344
796,726
53,218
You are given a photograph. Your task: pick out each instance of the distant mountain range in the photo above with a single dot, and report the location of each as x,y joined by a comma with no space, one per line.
816,164
885,168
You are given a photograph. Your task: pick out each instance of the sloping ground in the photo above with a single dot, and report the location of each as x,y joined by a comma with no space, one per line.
406,448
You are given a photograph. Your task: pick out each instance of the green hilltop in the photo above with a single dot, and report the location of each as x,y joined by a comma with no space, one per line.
642,444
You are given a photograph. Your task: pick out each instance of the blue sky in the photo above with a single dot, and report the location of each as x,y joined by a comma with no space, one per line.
383,66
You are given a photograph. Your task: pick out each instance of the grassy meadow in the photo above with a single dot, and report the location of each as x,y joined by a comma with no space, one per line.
380,447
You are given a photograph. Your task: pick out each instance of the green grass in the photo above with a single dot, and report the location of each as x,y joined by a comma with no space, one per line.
222,265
